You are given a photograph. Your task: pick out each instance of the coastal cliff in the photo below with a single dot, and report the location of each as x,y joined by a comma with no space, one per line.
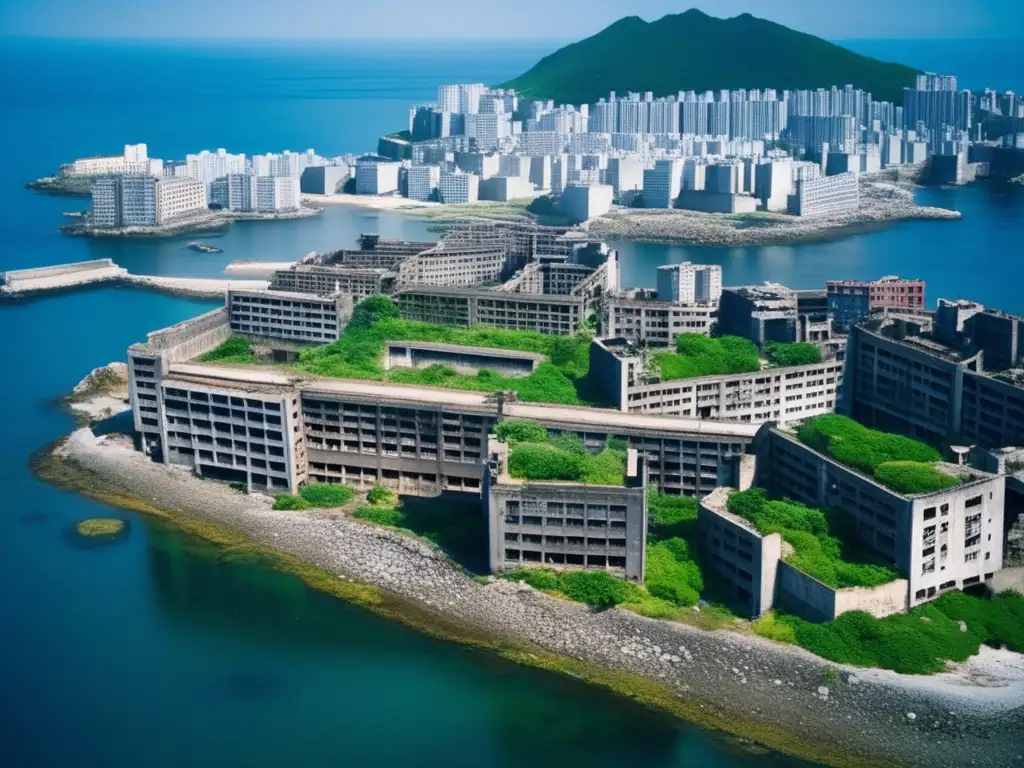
778,696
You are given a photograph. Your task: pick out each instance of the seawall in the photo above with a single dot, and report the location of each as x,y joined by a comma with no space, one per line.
779,696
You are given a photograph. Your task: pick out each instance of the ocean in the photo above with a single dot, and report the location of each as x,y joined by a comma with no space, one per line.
148,651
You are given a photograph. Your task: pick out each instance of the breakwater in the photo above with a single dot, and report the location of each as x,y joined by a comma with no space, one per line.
22,283
780,696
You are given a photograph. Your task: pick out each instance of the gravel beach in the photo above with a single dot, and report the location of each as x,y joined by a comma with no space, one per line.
973,715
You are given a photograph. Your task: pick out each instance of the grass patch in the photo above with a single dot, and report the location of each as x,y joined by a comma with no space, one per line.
920,642
316,495
809,531
594,588
234,350
697,355
536,455
375,321
100,526
382,496
796,353
897,462
389,516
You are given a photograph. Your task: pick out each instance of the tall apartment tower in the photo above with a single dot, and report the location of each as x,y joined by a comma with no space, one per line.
688,283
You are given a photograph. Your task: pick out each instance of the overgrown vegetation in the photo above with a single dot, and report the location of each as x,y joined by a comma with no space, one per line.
235,350
536,455
699,355
809,531
797,353
919,642
100,527
595,588
375,321
898,462
316,495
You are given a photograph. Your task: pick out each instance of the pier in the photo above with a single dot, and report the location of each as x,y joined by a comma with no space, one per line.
18,283
256,269
21,282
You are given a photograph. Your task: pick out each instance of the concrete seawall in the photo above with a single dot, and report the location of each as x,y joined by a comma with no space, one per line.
23,283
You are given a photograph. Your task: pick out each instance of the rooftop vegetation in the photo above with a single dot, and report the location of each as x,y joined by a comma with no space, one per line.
375,321
235,350
919,642
798,353
816,550
897,462
698,355
536,455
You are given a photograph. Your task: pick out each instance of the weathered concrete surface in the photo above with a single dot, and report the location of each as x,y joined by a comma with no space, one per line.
22,282
878,716
256,269
193,286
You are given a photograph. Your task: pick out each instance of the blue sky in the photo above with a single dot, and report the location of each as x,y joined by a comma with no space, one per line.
522,19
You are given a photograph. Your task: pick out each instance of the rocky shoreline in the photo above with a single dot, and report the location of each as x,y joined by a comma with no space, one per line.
102,394
778,696
204,222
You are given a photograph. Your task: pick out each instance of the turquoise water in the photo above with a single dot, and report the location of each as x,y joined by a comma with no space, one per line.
142,652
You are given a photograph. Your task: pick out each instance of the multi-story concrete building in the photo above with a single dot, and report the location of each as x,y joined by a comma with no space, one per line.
208,166
625,175
461,97
910,375
458,188
144,201
752,569
565,524
637,317
850,301
583,202
247,193
938,541
302,318
316,278
176,198
688,283
376,175
133,162
504,188
556,315
662,183
620,371
760,313
454,264
825,195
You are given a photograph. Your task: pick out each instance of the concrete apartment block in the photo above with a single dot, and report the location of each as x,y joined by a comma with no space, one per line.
938,541
565,524
302,318
772,394
639,319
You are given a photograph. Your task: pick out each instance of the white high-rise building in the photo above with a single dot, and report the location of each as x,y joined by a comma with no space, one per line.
625,175
662,183
275,194
133,162
688,283
422,182
207,166
458,188
663,116
144,201
464,98
376,175
179,197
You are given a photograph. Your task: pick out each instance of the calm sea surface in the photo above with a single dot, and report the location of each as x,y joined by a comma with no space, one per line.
144,652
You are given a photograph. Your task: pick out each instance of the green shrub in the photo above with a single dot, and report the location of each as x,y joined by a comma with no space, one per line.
769,626
798,353
698,355
596,588
382,497
544,461
234,350
286,501
669,516
855,445
815,551
326,494
381,516
913,477
671,573
539,578
512,432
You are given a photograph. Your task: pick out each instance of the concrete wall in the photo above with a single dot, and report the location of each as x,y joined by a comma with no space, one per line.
466,361
13,276
805,596
1008,578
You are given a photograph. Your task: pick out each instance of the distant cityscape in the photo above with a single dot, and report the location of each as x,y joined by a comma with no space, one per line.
796,152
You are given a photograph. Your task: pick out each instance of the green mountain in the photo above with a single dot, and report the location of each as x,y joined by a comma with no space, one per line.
694,51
